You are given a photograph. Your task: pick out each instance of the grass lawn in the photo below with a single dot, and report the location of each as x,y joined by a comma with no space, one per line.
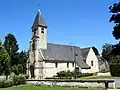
32,87
100,77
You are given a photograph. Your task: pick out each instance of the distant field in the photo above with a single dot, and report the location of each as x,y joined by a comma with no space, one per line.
100,77
32,87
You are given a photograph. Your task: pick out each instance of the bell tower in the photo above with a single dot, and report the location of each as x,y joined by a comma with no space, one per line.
39,32
38,42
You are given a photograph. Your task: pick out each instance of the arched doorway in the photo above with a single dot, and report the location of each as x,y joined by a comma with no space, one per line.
32,71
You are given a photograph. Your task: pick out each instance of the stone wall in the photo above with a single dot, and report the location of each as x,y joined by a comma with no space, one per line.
71,83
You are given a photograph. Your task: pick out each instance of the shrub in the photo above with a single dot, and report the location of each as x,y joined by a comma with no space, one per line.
1,83
5,84
17,80
22,80
115,69
8,84
115,66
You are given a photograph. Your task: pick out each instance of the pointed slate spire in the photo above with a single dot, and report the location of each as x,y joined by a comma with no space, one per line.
39,20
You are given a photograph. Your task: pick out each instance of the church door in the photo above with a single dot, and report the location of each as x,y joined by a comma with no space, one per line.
32,71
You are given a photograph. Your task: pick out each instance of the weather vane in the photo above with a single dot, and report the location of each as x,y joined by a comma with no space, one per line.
38,6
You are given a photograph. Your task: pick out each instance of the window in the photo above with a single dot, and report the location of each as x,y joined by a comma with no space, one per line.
35,31
77,69
91,63
84,61
67,65
56,65
33,45
73,64
42,30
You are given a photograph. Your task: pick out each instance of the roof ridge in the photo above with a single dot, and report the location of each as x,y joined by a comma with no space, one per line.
63,45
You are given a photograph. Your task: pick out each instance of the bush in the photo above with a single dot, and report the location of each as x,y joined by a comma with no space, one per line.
115,69
1,83
17,80
5,84
22,80
8,84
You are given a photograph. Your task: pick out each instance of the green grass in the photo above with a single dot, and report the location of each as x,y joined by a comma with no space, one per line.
100,77
32,87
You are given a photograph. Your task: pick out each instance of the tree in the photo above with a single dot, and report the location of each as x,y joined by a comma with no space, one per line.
4,61
115,66
23,56
11,46
115,9
106,51
116,49
95,50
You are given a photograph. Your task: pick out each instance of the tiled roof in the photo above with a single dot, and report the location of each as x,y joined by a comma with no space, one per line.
39,21
57,52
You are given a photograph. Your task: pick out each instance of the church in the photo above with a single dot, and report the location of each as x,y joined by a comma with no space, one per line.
46,59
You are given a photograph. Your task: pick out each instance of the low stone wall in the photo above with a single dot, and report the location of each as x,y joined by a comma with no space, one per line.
104,74
72,83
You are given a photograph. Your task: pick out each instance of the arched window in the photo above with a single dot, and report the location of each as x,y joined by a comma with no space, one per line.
42,30
56,65
91,63
33,45
67,65
34,31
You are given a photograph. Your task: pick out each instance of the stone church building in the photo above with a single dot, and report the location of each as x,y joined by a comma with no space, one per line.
46,59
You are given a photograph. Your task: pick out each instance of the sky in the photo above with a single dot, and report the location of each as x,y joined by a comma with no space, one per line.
83,22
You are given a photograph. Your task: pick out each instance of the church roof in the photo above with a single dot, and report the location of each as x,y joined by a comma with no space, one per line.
39,21
85,52
60,53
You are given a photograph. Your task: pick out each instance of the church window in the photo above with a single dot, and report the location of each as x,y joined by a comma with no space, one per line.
42,30
56,65
73,64
67,65
33,45
35,32
91,63
84,61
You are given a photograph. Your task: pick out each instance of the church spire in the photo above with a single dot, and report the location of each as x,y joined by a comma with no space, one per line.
39,20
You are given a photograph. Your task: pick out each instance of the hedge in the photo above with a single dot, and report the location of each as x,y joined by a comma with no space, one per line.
16,80
115,69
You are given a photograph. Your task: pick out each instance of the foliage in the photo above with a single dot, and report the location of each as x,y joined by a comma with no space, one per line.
17,69
5,84
23,56
115,9
106,51
69,75
116,49
17,60
115,66
11,46
18,80
4,61
95,50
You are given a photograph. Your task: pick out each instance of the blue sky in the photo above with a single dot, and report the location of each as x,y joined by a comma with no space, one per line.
84,22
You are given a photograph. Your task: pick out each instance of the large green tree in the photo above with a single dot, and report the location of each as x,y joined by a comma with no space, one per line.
115,18
106,51
115,10
4,61
23,56
11,46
